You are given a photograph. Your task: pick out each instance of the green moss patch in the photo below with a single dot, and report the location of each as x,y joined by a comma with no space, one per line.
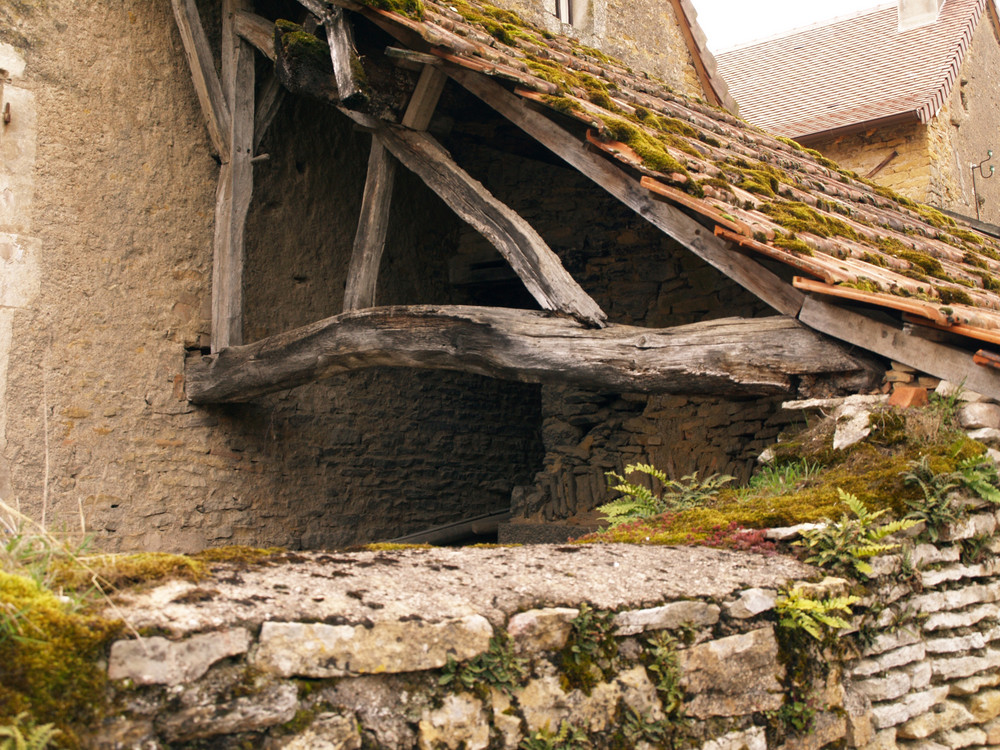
118,571
411,8
873,470
50,655
798,217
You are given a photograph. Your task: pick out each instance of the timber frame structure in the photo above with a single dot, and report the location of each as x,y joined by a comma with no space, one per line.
828,252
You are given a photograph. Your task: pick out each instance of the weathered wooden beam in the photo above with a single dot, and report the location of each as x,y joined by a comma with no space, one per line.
345,59
534,261
235,183
257,30
672,221
425,97
369,242
731,356
939,360
206,81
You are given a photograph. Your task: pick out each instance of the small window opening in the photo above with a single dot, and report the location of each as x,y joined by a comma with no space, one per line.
564,10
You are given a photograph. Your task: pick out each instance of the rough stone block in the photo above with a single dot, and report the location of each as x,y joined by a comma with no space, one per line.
946,715
985,705
788,533
914,704
891,641
965,666
887,688
884,740
889,660
544,704
977,415
458,723
668,617
750,739
274,705
327,732
957,598
507,724
981,524
541,629
828,727
929,554
949,620
157,661
931,578
751,603
733,676
972,685
992,729
959,738
956,644
318,650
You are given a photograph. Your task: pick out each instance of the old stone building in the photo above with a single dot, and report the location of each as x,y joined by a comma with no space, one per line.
905,94
454,263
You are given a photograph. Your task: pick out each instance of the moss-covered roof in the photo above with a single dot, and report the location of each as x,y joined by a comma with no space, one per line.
845,236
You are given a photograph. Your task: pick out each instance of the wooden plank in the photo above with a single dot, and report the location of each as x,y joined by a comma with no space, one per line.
732,356
680,198
257,30
369,242
972,332
206,81
687,231
235,184
272,94
891,301
534,261
338,35
425,98
939,360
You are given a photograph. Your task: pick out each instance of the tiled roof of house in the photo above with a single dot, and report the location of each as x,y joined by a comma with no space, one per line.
843,235
850,71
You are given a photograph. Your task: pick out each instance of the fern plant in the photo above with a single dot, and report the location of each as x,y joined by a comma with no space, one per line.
935,509
979,474
567,738
23,734
676,494
498,667
845,545
817,617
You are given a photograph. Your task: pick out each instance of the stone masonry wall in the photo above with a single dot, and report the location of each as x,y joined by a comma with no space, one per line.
932,162
683,647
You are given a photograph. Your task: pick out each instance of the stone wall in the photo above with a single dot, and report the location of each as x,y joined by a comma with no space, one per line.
931,162
681,646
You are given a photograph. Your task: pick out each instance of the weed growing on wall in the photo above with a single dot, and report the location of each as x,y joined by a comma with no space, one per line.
589,654
845,545
820,618
568,737
676,494
498,668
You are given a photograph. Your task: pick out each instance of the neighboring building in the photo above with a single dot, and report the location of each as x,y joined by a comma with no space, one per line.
231,314
906,94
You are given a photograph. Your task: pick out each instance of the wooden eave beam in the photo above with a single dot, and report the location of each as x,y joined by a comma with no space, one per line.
939,360
257,30
730,356
206,82
672,221
534,261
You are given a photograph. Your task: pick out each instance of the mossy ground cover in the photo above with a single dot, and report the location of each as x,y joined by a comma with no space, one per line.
874,471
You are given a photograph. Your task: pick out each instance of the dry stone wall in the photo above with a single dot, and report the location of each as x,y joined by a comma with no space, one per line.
481,648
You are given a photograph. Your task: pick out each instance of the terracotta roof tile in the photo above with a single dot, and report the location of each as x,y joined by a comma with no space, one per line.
851,71
765,195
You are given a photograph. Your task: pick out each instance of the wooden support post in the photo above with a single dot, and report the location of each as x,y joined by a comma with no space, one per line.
692,235
730,356
235,183
206,81
272,94
369,242
939,360
534,262
257,30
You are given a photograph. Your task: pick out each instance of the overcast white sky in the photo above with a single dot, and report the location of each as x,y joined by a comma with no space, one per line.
732,23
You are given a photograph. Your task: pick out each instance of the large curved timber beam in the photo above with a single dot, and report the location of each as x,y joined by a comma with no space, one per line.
732,356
